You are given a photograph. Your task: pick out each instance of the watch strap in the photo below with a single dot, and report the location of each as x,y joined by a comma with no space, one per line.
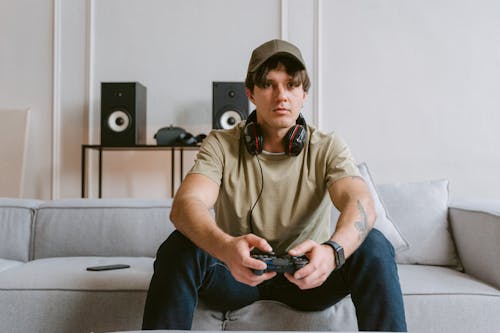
338,253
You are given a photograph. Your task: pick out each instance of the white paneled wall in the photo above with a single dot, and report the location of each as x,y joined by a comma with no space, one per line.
26,49
412,85
176,49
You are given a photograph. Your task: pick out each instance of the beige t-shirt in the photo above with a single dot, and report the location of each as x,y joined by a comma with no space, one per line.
294,205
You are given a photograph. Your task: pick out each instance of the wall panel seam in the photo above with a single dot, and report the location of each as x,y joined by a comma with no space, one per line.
56,99
90,90
284,19
317,92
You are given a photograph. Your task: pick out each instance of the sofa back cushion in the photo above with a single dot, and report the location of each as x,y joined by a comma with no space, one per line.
101,227
16,220
420,209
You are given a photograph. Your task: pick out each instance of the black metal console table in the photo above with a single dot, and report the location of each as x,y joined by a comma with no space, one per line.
101,149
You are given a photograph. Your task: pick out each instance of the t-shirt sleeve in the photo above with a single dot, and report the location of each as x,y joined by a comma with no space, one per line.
340,163
210,159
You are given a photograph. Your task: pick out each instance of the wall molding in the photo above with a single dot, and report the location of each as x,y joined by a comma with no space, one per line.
90,69
284,19
56,100
89,83
317,43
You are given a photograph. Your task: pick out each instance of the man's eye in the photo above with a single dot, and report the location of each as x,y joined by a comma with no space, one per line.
267,84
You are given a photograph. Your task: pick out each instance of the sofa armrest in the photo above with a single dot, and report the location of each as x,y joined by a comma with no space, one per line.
476,230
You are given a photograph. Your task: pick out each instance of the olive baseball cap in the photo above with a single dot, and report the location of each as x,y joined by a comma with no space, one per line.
271,48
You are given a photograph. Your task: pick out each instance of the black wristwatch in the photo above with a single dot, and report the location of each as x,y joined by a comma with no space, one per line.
338,253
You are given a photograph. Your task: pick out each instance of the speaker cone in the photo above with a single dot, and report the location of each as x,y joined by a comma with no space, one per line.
119,121
229,119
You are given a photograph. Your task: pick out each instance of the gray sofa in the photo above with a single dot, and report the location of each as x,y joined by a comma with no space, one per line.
450,274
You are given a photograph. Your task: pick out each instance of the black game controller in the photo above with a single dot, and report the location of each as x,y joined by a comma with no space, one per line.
279,264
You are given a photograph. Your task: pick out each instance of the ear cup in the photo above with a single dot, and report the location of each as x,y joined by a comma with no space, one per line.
294,140
296,137
252,137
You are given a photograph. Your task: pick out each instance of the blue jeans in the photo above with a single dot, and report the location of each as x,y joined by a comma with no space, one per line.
183,272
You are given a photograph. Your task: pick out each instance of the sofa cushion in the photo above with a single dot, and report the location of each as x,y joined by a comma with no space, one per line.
420,209
59,295
101,227
63,311
444,295
8,264
16,217
437,298
69,273
435,280
383,222
275,316
476,228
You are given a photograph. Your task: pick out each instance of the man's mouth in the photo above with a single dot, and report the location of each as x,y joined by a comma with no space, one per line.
281,110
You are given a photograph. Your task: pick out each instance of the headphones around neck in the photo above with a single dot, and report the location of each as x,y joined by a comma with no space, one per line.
293,141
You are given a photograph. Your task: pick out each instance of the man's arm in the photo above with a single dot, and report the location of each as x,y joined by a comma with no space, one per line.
191,213
357,215
191,216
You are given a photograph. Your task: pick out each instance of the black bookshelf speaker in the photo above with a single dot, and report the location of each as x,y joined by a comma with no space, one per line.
123,114
229,104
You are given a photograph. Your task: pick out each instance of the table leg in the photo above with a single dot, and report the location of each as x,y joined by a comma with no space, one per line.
84,171
172,179
100,172
182,167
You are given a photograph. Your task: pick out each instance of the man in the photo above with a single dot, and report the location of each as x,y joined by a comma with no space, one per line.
271,181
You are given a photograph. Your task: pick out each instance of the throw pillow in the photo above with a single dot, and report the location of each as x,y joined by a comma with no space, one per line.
383,222
420,210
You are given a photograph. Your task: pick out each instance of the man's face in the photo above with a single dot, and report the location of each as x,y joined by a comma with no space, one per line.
279,101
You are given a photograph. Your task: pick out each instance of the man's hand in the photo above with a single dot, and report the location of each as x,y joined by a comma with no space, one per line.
236,256
321,264
191,215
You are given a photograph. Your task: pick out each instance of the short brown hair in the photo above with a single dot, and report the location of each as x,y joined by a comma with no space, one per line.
293,68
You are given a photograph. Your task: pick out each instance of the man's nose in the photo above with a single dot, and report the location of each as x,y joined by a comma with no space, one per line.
281,92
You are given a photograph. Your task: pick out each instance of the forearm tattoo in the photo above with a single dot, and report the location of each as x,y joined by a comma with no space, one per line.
362,226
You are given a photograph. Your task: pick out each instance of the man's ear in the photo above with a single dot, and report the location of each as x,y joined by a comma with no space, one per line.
249,94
